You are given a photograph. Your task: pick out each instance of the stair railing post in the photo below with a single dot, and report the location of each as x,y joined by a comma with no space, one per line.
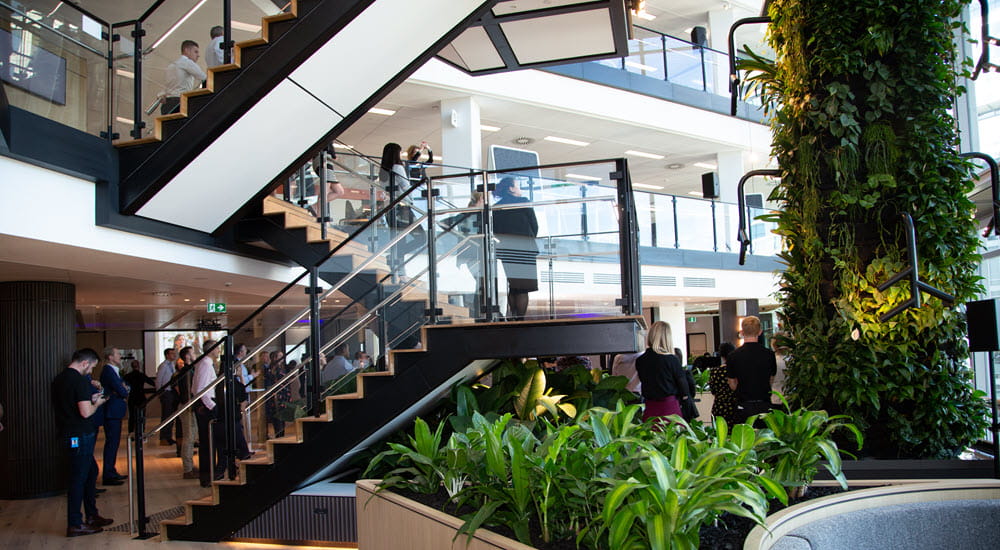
137,112
324,207
313,373
432,310
302,186
230,407
140,477
489,307
227,31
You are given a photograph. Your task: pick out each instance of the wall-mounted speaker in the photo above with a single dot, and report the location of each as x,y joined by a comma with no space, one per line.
699,36
983,318
710,185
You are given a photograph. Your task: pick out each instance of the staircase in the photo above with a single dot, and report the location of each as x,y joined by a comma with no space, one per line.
415,379
284,96
294,231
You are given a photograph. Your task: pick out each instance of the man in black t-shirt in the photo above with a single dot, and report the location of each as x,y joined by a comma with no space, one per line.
750,371
74,403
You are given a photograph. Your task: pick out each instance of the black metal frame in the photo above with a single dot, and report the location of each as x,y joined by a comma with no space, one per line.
913,273
994,186
743,233
734,77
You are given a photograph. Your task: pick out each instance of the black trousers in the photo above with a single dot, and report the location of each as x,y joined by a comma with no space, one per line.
746,409
168,406
204,416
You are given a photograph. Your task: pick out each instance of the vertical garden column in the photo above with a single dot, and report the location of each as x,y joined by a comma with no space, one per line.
37,338
859,97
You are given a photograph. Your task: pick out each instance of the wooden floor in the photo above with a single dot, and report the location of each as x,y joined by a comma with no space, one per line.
40,524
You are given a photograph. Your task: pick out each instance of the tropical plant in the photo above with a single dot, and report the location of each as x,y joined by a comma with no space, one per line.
800,440
858,97
422,465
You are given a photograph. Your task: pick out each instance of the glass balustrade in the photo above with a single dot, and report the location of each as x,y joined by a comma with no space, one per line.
53,63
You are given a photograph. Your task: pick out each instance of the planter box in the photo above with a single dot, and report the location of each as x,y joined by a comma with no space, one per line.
387,520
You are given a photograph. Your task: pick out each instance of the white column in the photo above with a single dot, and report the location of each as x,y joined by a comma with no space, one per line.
719,22
731,169
673,314
461,139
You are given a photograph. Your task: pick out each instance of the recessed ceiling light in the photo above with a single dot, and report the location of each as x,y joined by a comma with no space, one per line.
201,300
523,140
566,141
646,186
162,293
646,16
696,193
706,165
380,111
640,66
583,177
488,128
342,146
642,154
675,166
187,299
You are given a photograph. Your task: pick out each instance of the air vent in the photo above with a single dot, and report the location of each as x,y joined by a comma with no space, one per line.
659,280
562,277
607,279
699,282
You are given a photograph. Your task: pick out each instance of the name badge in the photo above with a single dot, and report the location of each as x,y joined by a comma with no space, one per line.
74,443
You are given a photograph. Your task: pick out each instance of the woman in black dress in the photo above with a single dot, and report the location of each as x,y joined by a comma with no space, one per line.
516,229
725,399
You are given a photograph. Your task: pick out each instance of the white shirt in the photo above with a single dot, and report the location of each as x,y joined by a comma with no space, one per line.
183,75
164,373
245,376
204,374
213,56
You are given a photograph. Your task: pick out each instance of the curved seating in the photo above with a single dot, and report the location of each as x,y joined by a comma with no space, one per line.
948,514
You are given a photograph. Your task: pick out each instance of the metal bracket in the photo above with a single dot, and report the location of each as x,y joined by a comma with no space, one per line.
310,290
743,234
434,193
489,186
436,311
994,184
911,273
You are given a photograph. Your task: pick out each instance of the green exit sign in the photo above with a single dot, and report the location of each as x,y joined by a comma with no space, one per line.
216,308
690,319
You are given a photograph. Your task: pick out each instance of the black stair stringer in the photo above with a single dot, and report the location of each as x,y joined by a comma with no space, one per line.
419,377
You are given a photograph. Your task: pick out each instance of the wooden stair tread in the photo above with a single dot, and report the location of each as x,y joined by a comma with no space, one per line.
251,43
134,142
197,92
287,440
322,418
223,68
262,461
345,396
180,521
279,16
204,501
172,116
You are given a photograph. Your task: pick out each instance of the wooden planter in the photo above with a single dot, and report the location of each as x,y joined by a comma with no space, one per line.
387,520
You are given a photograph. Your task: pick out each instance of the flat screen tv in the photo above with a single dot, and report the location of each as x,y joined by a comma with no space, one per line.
38,72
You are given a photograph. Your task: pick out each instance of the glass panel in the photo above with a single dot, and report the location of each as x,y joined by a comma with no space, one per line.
663,219
644,217
459,242
684,63
645,54
539,276
53,64
694,218
727,222
764,242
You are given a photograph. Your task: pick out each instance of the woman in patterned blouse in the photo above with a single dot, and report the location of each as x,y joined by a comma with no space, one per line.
725,399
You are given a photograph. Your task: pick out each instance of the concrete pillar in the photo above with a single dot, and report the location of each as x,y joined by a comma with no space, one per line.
673,314
37,339
731,169
731,312
461,138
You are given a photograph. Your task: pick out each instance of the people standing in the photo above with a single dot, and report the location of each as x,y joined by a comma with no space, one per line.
750,372
136,380
338,366
664,382
279,399
74,404
183,75
114,412
724,403
168,398
204,375
361,360
213,55
185,442
516,229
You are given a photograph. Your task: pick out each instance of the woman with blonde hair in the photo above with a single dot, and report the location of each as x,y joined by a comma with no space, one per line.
664,383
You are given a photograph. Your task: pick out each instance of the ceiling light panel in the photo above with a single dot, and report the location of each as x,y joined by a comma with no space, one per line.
645,155
380,111
567,141
706,165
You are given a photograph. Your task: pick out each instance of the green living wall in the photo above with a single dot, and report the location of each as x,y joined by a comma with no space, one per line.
859,94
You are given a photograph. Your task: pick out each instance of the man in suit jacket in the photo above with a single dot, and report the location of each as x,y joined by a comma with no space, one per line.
114,412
